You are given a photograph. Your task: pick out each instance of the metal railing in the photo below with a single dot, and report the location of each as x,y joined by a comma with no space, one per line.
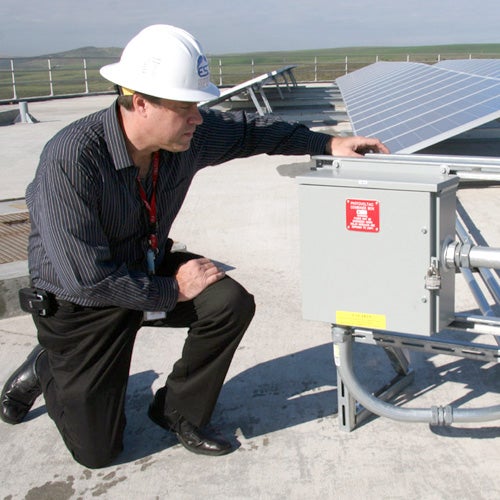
36,78
41,78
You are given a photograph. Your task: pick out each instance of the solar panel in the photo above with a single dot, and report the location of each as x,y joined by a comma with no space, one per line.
482,67
410,106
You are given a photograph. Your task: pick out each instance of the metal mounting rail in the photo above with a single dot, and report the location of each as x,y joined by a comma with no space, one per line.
467,168
432,345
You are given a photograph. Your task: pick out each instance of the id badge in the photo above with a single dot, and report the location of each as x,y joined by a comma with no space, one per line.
154,315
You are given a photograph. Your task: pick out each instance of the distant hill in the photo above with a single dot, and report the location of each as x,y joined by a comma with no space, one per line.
477,50
89,52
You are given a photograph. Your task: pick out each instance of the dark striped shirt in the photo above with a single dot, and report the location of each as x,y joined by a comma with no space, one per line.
89,225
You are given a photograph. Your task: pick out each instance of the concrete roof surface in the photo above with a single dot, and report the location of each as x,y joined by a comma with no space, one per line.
279,402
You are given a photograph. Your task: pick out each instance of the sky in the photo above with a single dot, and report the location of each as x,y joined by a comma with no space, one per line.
40,27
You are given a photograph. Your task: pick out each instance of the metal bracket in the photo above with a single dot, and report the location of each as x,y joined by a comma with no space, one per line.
351,413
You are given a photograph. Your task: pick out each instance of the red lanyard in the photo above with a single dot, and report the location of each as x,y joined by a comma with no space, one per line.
151,209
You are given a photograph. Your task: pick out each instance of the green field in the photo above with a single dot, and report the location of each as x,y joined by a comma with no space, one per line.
328,64
64,73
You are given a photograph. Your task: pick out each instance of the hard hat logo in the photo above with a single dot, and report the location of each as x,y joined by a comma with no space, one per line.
203,68
203,72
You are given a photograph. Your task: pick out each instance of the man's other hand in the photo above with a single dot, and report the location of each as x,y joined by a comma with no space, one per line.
195,275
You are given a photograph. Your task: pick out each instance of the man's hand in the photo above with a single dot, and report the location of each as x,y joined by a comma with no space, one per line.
355,146
194,276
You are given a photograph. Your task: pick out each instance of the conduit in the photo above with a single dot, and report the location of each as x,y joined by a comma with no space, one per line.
435,415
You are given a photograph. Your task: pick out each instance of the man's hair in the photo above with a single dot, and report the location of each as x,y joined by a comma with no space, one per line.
126,100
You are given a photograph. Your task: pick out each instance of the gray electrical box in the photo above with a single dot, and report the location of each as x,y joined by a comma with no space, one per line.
372,237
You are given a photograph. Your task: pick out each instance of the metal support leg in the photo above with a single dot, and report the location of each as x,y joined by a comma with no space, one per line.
278,88
346,406
266,101
350,412
292,77
256,101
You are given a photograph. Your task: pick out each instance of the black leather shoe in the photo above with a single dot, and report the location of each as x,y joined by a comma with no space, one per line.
21,389
191,437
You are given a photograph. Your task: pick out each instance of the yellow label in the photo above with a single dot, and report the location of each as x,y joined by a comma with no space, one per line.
360,319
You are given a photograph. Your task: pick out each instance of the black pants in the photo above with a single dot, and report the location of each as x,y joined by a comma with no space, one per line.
84,376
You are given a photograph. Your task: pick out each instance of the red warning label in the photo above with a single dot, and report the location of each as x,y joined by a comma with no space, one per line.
362,215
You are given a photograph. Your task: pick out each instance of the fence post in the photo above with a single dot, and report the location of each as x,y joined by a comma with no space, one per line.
85,76
14,96
220,72
50,79
346,66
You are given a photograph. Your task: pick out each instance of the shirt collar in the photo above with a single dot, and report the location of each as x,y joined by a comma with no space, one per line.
115,140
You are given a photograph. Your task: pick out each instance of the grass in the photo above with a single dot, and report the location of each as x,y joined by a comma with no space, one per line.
328,64
32,76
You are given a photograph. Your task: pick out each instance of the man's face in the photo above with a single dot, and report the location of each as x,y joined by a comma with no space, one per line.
172,124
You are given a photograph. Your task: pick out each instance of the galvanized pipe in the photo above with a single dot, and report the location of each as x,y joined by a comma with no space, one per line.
484,257
487,275
466,255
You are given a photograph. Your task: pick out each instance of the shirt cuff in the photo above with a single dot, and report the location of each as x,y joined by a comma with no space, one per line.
168,293
318,142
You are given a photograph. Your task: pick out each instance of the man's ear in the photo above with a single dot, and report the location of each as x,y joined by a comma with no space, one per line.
140,104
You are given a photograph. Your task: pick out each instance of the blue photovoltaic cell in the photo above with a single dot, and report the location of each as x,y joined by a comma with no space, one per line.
410,106
481,67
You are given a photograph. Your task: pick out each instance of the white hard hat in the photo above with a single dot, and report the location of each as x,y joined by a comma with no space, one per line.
164,61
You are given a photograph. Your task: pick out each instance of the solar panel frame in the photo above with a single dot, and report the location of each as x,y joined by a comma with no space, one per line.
410,106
